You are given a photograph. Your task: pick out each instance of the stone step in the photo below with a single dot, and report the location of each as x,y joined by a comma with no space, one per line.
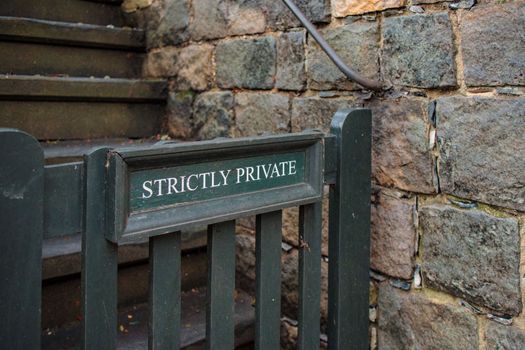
105,12
73,34
133,325
53,108
61,295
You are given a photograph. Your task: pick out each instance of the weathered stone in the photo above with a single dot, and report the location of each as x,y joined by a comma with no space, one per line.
491,44
394,237
344,8
167,23
290,61
180,110
160,63
418,50
501,337
288,336
134,5
401,155
357,44
291,226
257,113
280,17
316,113
482,148
190,67
246,63
213,115
218,19
194,67
473,255
409,321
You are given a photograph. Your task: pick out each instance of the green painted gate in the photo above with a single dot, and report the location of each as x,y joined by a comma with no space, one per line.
123,195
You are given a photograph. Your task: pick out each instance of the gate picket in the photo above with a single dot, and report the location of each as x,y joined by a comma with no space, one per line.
220,327
310,235
99,262
268,281
164,296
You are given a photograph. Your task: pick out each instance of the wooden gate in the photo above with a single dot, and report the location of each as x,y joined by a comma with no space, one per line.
123,195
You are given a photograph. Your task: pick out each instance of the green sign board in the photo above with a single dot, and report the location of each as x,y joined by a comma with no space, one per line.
155,188
161,189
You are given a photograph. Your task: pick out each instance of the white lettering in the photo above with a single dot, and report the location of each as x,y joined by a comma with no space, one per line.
148,189
225,176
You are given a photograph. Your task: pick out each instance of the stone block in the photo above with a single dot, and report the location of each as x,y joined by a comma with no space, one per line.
493,50
481,149
180,111
358,46
246,63
393,235
409,321
279,17
472,255
221,18
401,152
317,113
290,61
257,113
418,51
501,337
343,8
213,115
166,23
189,67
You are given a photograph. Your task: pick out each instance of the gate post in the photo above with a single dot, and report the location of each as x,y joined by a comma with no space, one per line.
349,231
22,221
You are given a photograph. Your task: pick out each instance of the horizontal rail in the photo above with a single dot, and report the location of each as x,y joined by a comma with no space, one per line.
350,73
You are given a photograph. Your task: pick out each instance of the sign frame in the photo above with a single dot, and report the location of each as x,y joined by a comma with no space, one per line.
126,226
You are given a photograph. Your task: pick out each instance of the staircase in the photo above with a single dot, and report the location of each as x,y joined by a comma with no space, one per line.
70,75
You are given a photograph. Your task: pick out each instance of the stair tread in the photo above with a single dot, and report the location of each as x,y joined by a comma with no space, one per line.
61,255
95,12
68,88
133,324
67,33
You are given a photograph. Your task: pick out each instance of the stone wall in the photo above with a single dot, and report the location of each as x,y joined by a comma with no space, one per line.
448,207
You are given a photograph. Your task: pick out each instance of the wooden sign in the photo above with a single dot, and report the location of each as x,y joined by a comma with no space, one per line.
161,189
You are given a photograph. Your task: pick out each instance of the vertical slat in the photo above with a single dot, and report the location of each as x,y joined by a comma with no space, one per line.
349,237
99,261
268,281
220,327
21,220
165,271
310,233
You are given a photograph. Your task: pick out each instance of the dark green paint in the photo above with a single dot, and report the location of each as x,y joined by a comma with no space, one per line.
220,326
268,281
228,203
63,199
164,297
99,262
21,215
310,235
233,184
349,232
